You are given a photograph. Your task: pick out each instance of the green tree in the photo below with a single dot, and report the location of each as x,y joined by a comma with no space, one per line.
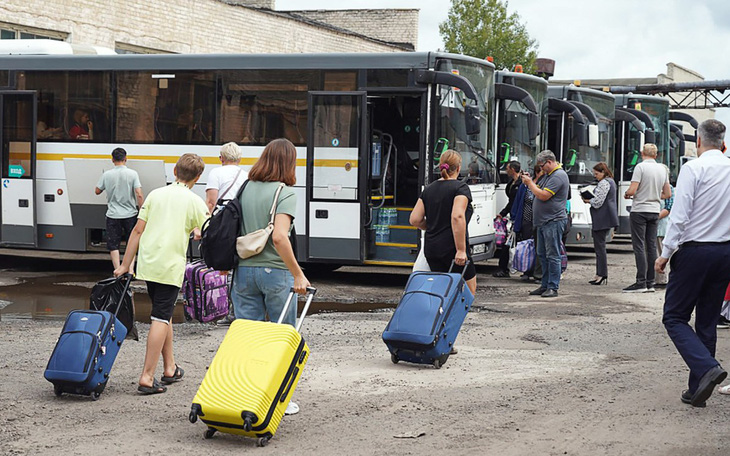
482,28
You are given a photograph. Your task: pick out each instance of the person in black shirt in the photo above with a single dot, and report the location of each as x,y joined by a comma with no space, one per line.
513,171
443,211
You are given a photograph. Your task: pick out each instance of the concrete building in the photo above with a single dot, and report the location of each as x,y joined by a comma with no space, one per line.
209,26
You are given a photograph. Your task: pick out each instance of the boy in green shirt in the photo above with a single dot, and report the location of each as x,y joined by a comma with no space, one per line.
161,235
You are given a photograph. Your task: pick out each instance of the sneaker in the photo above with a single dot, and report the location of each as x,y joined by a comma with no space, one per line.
525,278
501,274
650,289
660,285
723,323
292,408
550,294
226,321
635,288
724,389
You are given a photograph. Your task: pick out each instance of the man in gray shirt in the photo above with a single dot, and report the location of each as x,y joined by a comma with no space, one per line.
550,218
124,197
649,185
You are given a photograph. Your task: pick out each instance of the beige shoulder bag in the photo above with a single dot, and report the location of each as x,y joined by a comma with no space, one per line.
254,242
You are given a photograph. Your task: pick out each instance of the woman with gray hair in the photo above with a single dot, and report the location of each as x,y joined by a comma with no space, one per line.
224,181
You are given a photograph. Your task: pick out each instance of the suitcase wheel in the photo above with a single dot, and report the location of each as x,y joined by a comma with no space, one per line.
394,358
263,441
95,396
58,391
193,417
209,433
437,363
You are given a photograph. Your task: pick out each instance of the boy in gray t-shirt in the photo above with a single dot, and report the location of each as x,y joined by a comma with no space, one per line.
123,196
649,185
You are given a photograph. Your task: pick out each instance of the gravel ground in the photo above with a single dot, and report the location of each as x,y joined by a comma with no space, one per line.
591,372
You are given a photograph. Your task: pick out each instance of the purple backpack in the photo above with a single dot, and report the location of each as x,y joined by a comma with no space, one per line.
205,292
500,231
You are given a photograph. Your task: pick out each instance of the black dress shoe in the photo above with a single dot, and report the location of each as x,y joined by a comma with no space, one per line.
550,294
686,397
712,377
538,292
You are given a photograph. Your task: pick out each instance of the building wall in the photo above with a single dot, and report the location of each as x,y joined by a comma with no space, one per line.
392,25
187,26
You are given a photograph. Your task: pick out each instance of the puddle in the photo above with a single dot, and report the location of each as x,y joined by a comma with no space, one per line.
46,298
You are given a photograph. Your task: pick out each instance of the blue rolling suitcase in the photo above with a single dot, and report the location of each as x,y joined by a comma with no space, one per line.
86,349
428,318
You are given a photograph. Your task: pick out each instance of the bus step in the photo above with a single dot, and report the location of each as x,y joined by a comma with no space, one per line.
391,251
400,234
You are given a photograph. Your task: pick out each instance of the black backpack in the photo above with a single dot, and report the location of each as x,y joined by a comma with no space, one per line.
218,244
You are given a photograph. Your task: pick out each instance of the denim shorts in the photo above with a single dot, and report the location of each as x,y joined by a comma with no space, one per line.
259,292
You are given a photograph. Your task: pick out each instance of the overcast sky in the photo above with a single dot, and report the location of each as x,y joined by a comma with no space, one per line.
596,39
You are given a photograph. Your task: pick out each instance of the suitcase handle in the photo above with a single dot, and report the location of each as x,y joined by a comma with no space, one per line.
463,271
129,278
311,291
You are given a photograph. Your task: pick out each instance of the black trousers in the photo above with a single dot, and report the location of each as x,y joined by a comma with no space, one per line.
599,245
698,279
643,240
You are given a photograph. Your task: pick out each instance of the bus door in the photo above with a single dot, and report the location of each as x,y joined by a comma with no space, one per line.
18,159
336,172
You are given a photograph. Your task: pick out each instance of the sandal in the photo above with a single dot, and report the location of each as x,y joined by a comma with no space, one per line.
176,377
156,388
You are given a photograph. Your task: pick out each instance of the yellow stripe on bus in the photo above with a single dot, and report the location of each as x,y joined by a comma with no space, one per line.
395,244
388,263
173,159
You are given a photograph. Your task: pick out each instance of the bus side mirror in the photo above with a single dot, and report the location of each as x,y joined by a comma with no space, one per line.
472,120
650,136
533,125
593,140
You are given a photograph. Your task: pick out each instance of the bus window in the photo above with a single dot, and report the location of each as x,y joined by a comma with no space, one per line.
387,78
166,107
340,81
262,105
73,105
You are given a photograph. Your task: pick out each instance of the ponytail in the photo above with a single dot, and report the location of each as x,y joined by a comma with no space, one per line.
449,163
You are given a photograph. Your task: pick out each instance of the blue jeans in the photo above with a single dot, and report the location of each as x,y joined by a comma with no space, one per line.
549,237
258,291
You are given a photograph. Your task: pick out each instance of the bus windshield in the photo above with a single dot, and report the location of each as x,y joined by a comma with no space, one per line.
659,113
450,128
516,143
632,153
581,158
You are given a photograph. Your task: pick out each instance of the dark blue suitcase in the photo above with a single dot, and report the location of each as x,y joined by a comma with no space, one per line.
85,351
428,318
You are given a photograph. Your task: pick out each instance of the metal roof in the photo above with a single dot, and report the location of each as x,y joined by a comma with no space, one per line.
171,62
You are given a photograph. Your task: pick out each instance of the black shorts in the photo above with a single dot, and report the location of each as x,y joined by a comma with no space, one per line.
118,230
163,299
442,264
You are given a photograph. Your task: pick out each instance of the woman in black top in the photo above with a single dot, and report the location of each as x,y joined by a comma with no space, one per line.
443,211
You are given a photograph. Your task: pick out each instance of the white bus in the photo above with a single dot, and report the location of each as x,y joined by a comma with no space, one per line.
581,134
368,128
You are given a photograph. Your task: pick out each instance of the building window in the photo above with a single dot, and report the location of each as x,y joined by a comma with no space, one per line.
16,31
124,48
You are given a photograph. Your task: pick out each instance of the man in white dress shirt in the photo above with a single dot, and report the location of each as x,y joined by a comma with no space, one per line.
698,243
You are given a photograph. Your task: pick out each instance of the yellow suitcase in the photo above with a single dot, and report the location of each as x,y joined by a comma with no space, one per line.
252,377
